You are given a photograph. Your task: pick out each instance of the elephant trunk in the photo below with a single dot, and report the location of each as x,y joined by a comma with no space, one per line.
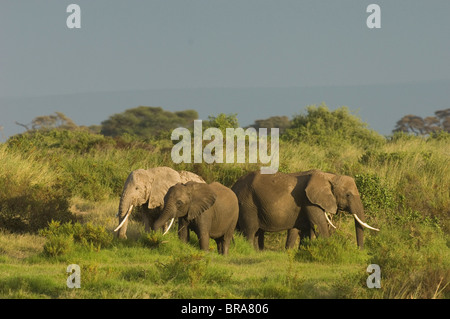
169,213
125,208
357,210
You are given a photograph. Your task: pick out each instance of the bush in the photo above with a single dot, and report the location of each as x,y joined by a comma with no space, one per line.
152,239
189,267
324,127
374,195
87,235
58,245
94,178
31,194
59,140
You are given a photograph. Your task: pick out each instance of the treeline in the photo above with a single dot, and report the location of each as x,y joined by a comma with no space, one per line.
152,123
424,126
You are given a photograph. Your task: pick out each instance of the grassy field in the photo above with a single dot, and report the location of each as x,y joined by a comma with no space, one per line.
166,268
170,269
75,178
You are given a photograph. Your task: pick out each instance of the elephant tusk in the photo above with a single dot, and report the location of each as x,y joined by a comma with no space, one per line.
125,219
170,225
329,221
364,224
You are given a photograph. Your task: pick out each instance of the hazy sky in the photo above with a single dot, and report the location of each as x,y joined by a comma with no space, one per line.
148,45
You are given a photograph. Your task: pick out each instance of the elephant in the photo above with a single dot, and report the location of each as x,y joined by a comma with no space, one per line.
210,210
147,188
297,202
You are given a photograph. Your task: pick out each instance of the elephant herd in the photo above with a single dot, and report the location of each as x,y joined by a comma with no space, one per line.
300,203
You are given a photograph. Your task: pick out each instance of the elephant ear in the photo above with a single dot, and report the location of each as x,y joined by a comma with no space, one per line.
160,180
202,198
319,192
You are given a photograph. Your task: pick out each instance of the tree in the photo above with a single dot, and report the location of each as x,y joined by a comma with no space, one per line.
146,122
222,121
423,126
57,120
411,123
444,119
281,122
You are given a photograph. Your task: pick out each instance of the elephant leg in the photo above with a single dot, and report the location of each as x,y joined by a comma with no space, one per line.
146,220
292,235
220,245
318,221
306,232
226,246
248,222
227,238
251,235
183,230
260,239
305,228
204,242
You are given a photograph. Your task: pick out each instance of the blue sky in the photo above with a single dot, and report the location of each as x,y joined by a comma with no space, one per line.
191,45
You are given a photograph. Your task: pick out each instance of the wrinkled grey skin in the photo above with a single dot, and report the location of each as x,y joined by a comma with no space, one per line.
147,188
295,202
210,210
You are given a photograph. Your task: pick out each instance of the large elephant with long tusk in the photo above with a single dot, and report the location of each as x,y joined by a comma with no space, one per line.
147,187
297,202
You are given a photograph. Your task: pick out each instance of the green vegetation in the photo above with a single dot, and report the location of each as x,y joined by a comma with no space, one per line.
147,122
424,126
59,192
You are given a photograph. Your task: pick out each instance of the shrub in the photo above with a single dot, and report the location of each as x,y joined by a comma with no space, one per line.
94,178
375,195
92,236
87,235
58,245
31,194
324,127
189,267
152,239
59,140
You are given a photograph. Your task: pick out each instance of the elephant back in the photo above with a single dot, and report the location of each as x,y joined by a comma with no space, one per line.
187,176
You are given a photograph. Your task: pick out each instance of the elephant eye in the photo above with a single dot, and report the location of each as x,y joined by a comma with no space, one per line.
179,203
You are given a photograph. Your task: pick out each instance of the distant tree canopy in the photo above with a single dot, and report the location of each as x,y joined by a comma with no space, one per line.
316,125
222,121
424,126
57,120
146,122
281,122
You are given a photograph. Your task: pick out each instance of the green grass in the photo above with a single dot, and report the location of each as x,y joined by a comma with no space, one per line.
413,266
174,270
